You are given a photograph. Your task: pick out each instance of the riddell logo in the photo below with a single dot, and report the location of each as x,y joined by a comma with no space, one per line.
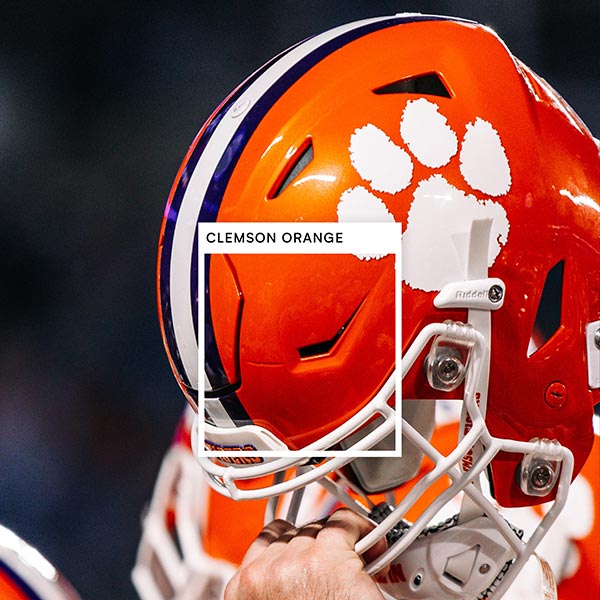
472,295
234,460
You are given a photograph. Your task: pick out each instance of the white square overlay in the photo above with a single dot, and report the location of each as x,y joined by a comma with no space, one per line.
350,238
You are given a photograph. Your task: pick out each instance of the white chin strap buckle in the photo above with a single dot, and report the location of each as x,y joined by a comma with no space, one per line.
450,561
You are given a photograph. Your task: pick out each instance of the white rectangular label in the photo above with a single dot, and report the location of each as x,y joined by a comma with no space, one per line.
299,238
364,240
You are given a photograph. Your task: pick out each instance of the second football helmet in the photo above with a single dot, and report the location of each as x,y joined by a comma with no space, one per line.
25,574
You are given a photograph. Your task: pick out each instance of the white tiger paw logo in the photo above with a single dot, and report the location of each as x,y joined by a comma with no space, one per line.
440,215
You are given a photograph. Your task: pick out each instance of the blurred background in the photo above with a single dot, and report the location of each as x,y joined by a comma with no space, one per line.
99,102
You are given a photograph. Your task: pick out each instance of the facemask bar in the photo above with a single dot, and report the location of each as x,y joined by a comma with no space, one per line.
484,295
223,478
165,569
308,474
465,481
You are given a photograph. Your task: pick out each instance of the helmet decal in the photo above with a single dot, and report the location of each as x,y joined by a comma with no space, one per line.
440,214
437,228
377,159
427,134
483,162
360,205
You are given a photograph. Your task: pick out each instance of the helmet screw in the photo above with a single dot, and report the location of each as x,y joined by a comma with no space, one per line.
495,293
556,394
448,369
597,338
240,108
418,580
445,367
484,568
541,476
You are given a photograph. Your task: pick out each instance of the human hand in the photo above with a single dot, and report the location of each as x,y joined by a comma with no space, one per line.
313,562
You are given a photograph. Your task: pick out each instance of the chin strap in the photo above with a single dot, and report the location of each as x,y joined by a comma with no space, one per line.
448,561
481,320
480,295
454,560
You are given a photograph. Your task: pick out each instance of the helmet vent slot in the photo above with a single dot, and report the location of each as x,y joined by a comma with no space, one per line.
427,84
548,316
325,347
300,160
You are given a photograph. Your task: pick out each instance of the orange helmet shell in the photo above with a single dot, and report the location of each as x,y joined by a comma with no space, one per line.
298,344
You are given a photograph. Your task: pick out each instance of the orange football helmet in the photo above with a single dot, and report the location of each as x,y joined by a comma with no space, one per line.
433,123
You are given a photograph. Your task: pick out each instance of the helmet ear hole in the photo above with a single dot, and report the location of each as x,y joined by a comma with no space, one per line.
548,316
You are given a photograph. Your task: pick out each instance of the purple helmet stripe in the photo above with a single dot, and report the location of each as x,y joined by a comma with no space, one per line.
23,586
171,214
